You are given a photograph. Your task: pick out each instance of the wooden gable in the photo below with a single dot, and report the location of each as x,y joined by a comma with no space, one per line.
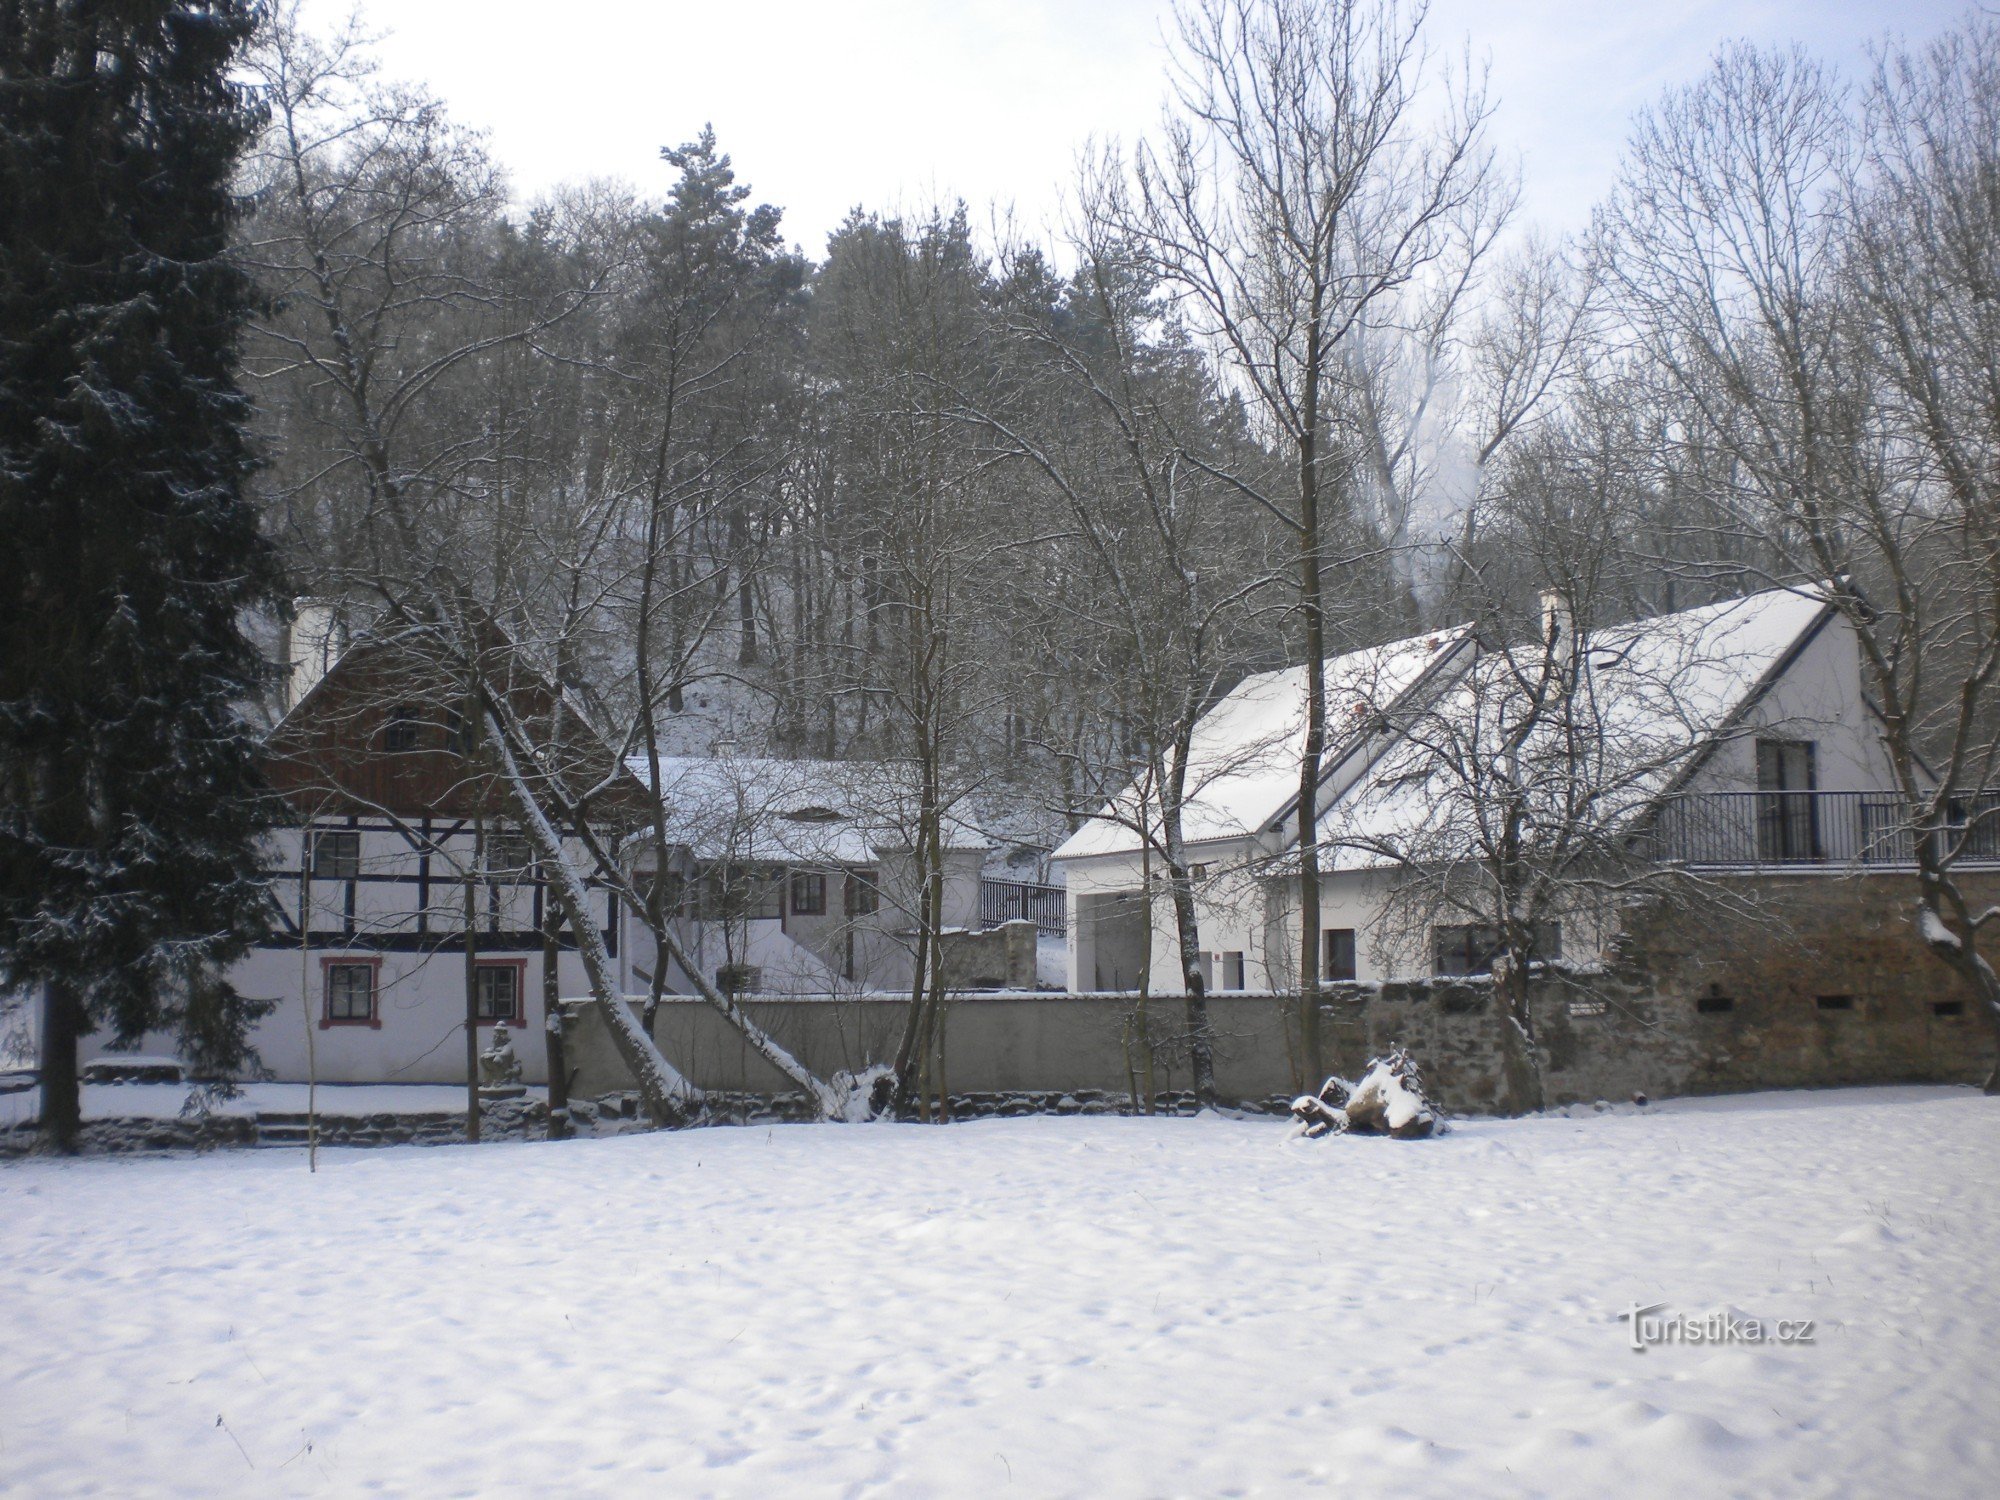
388,731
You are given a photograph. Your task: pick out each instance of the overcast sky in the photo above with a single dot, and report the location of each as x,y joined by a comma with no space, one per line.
895,103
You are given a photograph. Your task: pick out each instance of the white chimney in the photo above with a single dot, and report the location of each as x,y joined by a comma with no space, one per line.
314,644
1558,624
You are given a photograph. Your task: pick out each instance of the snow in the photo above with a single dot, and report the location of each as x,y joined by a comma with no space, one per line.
1049,1307
1935,933
1243,760
166,1101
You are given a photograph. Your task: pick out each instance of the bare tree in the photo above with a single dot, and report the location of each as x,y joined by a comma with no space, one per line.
1312,203
1119,432
1818,300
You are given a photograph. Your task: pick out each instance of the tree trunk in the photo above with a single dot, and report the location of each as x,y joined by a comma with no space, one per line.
62,1104
1201,1038
552,1023
1520,1062
1311,607
1959,952
472,994
669,1098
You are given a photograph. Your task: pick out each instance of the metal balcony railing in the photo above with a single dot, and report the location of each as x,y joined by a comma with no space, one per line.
1022,901
1746,829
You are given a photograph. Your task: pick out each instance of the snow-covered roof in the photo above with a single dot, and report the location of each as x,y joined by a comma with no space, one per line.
810,812
1243,760
1653,696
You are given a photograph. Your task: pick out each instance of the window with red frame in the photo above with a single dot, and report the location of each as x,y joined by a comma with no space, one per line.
499,992
350,992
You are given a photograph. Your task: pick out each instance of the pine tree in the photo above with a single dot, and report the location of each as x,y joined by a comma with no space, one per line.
130,807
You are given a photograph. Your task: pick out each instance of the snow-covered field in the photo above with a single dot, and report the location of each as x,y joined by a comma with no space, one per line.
1041,1307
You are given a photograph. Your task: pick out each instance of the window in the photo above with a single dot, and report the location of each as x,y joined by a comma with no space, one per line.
509,852
1197,872
1947,1008
1232,971
1336,953
497,992
1972,826
674,893
808,894
457,733
336,856
399,732
1787,814
863,899
762,892
738,979
1835,1002
739,893
1472,949
350,994
1714,1005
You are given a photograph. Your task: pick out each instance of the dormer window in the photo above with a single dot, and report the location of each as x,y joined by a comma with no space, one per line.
399,732
811,815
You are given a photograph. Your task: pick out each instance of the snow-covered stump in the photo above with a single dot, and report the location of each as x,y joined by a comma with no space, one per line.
1389,1100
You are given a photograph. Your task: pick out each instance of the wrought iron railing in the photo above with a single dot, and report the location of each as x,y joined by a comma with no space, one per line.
1023,901
1735,829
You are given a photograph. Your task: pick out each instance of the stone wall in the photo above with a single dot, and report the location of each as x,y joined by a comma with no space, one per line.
1654,1021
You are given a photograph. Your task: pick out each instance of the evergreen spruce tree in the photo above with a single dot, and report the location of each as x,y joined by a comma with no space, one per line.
129,802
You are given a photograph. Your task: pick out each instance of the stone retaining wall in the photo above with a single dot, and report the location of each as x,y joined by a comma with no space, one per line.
1807,981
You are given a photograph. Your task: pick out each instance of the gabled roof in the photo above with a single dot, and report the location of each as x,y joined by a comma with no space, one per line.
802,812
328,754
1655,697
1243,759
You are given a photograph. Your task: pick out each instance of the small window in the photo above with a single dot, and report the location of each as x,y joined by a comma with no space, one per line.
1337,953
739,979
1947,1008
763,893
1232,971
457,733
350,993
862,899
742,893
1198,872
1589,1007
808,894
676,892
509,852
400,731
1472,949
497,992
1835,1002
1714,1005
336,856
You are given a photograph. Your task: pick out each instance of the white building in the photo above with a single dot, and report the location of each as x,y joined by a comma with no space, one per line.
1737,734
796,876
787,877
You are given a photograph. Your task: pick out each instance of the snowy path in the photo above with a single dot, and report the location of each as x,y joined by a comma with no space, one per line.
1042,1307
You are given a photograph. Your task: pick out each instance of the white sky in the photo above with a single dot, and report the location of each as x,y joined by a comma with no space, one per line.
825,104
